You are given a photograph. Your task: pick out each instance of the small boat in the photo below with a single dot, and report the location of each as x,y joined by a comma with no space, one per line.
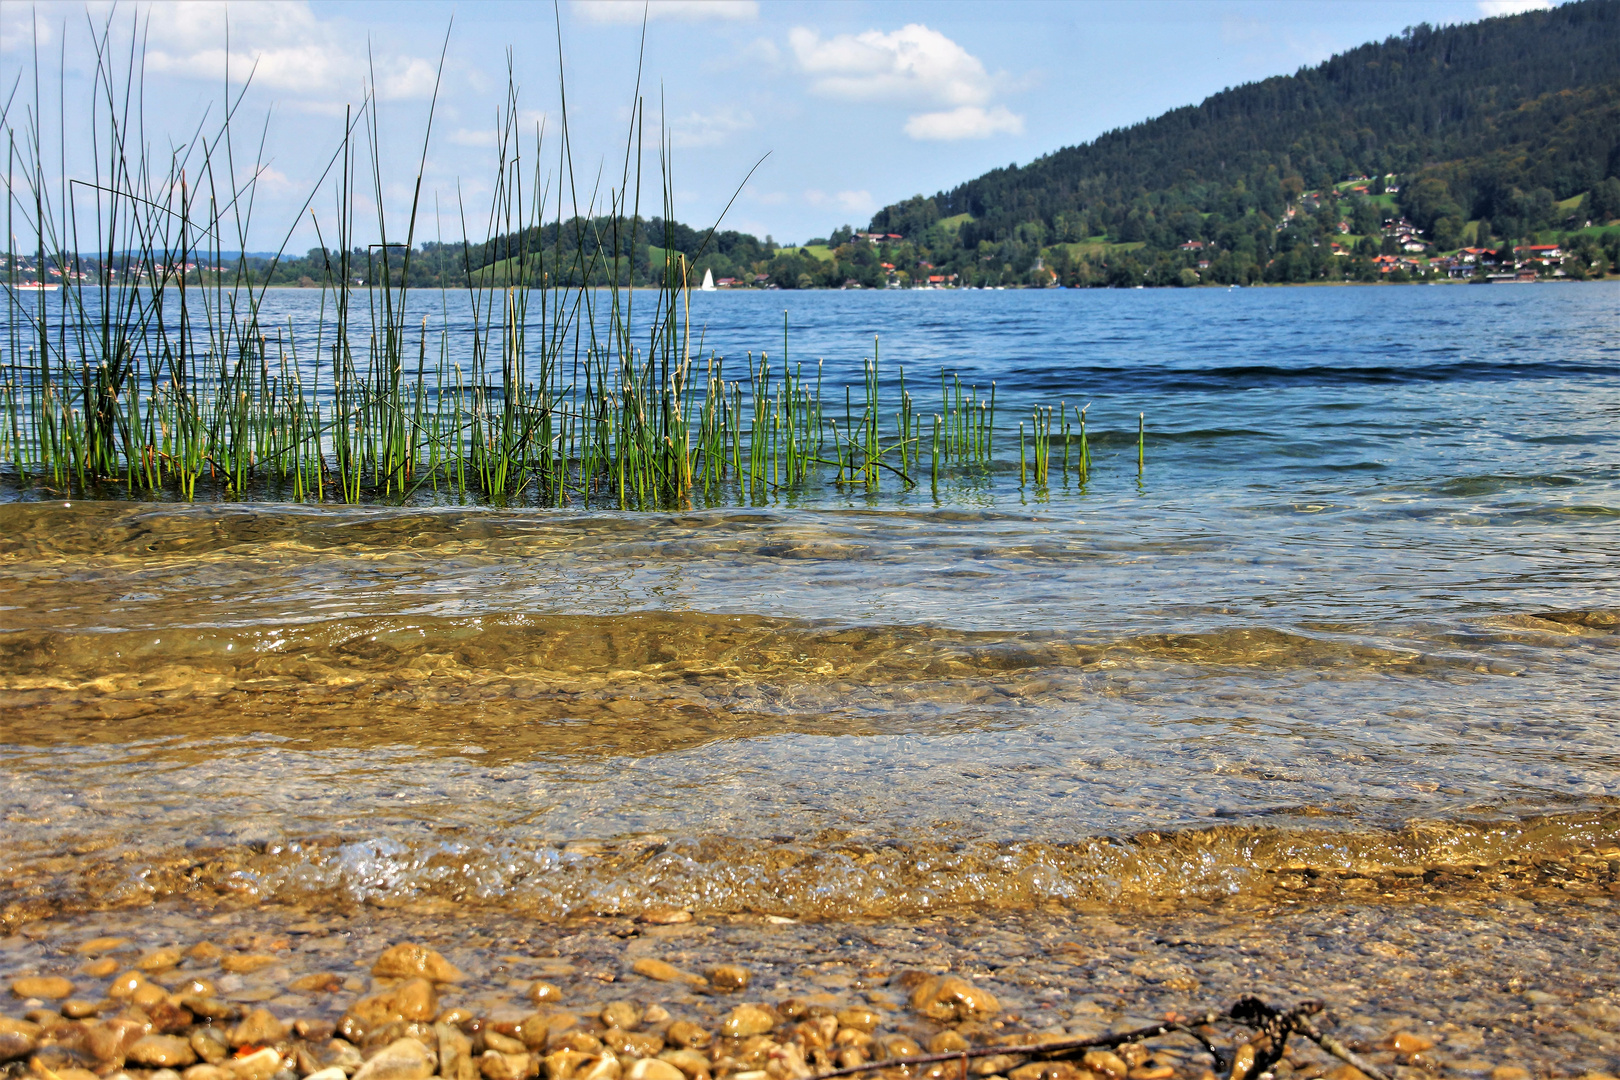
35,286
708,281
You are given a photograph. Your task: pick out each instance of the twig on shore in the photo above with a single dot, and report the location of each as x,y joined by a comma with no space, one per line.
1247,1059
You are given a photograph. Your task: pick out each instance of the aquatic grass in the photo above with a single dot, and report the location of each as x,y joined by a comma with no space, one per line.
156,374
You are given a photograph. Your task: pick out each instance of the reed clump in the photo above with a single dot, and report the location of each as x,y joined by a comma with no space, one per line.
154,370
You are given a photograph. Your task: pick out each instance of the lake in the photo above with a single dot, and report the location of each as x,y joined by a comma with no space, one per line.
1345,646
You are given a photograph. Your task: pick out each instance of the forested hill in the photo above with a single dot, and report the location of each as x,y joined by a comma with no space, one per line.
1499,121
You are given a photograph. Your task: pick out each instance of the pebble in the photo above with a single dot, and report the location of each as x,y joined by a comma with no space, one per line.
100,969
49,987
654,1069
246,963
665,916
1405,1042
406,961
495,1065
621,1014
747,1020
544,993
729,977
258,1028
948,999
102,945
661,971
260,1065
687,1034
160,960
402,1059
161,1052
14,1044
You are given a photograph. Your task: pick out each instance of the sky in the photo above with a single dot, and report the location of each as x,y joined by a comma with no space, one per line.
801,115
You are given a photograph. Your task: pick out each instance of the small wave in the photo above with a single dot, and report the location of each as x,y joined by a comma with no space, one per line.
832,874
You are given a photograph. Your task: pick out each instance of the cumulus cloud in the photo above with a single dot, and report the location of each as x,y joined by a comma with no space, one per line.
913,65
631,11
966,122
1491,8
283,44
708,129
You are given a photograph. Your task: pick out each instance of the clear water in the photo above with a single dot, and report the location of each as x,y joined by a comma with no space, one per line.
1358,611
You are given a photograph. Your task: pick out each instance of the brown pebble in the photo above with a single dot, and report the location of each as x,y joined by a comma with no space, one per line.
1106,1063
206,1072
860,1019
691,1063
124,986
161,1052
654,1069
100,969
320,982
1510,1072
494,1065
947,1042
246,963
259,1065
544,993
407,961
159,960
655,1014
947,998
258,1028
14,1045
1405,1042
687,1034
205,952
102,945
665,916
662,971
729,977
621,1014
209,1044
747,1020
50,987
148,995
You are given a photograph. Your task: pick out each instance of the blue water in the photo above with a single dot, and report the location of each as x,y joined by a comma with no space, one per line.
1361,600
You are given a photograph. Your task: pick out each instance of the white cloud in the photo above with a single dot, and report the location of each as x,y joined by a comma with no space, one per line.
708,129
912,64
631,11
915,66
283,44
853,201
528,122
19,27
966,122
1491,8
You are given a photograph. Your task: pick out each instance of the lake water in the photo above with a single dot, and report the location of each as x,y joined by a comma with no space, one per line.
1356,617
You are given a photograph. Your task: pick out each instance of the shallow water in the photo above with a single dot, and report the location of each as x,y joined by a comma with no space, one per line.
1357,616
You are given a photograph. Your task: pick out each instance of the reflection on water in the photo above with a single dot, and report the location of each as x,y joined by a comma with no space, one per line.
1357,629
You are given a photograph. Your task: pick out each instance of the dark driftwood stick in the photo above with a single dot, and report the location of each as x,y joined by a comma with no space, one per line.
1056,1047
1337,1049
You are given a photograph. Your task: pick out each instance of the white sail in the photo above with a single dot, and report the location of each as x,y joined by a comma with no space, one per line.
708,281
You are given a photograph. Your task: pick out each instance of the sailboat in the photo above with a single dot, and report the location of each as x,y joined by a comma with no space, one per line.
708,281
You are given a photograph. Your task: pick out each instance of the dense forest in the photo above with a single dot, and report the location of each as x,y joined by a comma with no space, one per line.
1481,134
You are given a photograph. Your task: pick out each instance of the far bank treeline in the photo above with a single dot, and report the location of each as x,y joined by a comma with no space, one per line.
1450,152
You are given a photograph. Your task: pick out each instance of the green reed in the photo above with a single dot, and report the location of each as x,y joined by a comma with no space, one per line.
166,377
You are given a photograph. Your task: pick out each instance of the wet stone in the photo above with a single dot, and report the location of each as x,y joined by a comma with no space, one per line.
258,1028
161,1051
621,1014
49,987
729,977
403,1059
948,998
747,1020
407,961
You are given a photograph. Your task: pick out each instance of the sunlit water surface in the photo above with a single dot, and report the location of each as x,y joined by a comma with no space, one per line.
1358,610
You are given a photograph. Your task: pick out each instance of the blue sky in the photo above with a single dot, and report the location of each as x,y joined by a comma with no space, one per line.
850,105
